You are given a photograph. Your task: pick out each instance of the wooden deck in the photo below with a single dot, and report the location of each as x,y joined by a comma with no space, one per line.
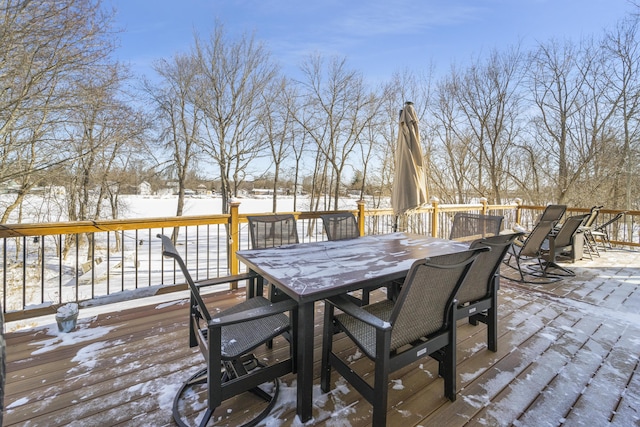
568,355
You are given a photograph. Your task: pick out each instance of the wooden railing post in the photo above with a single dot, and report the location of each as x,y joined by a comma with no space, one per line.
361,217
234,240
518,210
434,216
485,207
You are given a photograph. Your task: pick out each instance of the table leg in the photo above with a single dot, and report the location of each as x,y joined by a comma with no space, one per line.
305,361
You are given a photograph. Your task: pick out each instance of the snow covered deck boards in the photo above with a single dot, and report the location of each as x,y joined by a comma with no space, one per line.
568,353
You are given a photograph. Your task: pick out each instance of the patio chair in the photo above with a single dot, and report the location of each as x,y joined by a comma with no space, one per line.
226,341
469,226
587,228
601,232
530,249
478,294
268,231
340,226
552,213
397,333
561,244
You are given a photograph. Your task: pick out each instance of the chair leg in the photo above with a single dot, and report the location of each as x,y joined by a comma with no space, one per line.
492,327
205,419
519,269
450,373
199,377
274,296
365,296
592,243
327,344
380,392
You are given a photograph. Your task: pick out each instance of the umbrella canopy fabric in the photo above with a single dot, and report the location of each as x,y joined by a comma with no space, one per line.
409,185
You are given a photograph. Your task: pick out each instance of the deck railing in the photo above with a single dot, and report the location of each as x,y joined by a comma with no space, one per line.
94,262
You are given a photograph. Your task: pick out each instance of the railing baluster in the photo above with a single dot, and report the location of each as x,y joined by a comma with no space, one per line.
108,261
41,254
76,270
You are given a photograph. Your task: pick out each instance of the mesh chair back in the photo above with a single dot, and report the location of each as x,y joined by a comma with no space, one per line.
593,215
427,296
340,226
168,249
469,226
602,227
479,281
568,229
533,243
268,231
552,213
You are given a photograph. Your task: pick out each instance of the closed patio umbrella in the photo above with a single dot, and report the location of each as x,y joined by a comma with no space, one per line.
409,190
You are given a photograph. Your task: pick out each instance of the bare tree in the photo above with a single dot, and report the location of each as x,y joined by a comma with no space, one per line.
179,116
489,99
233,76
47,47
105,133
278,128
621,46
453,161
369,143
299,141
556,83
334,116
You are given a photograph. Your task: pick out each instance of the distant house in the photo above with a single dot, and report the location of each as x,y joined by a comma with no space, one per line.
264,192
201,190
172,186
261,192
10,187
144,188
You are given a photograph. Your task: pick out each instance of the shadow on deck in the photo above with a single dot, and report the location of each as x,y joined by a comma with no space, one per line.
568,354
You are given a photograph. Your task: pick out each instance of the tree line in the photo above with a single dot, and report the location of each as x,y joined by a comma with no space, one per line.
558,122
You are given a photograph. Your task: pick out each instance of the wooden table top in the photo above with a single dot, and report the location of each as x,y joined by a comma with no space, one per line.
313,271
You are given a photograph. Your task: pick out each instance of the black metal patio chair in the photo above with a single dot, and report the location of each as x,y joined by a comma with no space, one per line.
393,334
552,213
268,231
601,231
226,341
530,250
561,244
587,230
470,226
340,226
478,295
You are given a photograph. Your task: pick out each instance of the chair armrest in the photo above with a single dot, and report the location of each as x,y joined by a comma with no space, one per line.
226,279
254,313
346,305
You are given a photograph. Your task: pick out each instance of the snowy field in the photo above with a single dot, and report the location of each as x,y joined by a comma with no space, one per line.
37,209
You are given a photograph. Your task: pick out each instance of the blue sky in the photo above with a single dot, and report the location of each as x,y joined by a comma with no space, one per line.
377,37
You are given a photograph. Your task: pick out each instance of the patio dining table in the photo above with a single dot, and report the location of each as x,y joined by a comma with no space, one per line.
310,272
